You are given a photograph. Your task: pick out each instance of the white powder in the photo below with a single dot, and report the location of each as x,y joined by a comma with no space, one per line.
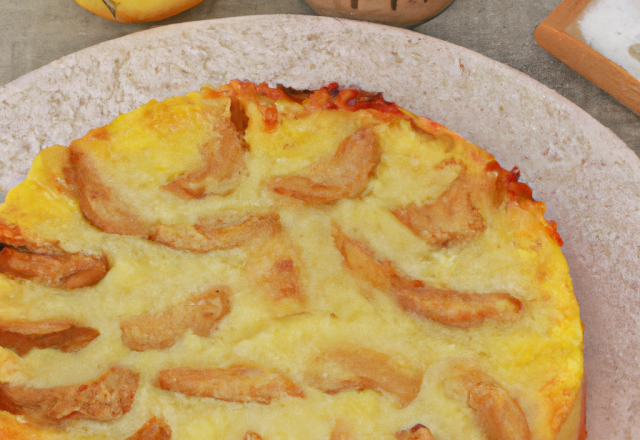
611,27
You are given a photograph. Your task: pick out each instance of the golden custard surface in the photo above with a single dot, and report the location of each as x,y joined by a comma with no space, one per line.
265,263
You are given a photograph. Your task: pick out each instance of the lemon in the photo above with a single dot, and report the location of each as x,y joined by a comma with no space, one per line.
136,11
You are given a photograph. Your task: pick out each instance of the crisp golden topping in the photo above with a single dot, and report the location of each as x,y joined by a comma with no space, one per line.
446,306
418,432
499,414
229,233
452,218
346,174
65,271
213,124
272,267
450,307
215,233
362,261
65,336
222,169
233,384
361,368
154,429
99,204
46,263
106,398
158,331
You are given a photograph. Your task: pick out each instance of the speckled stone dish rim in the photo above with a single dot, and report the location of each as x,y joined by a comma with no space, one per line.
589,179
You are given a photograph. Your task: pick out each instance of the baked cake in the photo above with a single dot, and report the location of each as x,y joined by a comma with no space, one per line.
250,262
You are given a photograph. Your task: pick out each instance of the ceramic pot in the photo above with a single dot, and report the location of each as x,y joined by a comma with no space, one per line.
403,13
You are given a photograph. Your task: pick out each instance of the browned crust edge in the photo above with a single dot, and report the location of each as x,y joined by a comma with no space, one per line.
574,427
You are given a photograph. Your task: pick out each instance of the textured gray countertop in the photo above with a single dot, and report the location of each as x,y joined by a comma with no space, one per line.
36,32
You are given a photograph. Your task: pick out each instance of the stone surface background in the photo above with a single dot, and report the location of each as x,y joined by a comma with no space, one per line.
36,32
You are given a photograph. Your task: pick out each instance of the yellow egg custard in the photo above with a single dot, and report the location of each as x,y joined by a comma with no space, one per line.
251,262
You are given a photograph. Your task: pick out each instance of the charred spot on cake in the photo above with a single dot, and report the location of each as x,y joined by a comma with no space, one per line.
332,97
295,95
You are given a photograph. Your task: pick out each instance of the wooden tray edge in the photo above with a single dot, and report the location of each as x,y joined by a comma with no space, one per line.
598,69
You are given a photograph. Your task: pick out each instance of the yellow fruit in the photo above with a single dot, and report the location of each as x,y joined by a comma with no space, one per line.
136,11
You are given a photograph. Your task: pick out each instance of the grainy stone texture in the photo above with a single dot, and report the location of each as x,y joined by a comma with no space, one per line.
588,177
36,32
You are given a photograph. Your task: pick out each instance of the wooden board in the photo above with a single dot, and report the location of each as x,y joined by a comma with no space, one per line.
557,34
